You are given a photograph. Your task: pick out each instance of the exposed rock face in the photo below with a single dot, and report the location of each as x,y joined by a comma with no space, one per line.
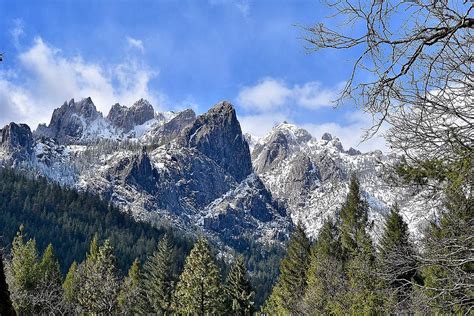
70,121
247,211
326,136
17,141
217,134
170,130
196,173
142,174
278,146
127,118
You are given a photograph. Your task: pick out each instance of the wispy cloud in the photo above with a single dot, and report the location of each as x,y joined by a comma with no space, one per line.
272,94
17,31
51,78
135,43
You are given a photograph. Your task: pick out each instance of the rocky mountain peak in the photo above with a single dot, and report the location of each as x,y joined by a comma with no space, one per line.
326,136
127,118
217,134
282,141
17,139
70,121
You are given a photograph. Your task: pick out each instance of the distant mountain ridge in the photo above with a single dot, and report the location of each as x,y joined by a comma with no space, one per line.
198,173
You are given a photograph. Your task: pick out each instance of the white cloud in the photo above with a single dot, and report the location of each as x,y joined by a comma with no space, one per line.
266,95
135,43
273,94
260,124
51,78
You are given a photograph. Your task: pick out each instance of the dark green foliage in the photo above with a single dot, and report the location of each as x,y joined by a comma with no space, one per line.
158,279
6,307
68,219
263,264
238,289
288,291
353,217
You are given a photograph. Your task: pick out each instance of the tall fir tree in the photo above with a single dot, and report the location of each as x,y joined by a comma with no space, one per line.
327,282
158,279
100,285
199,289
130,293
358,254
291,285
49,292
71,288
397,263
6,306
239,290
24,270
354,217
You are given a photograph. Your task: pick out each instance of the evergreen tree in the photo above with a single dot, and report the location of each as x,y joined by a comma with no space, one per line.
6,306
24,270
327,282
358,254
353,215
397,263
199,290
448,244
71,288
158,279
49,292
129,297
238,289
291,285
99,281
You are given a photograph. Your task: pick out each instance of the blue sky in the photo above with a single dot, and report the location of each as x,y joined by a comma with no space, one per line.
177,54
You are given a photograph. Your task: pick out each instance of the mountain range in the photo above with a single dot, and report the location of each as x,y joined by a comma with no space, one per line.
202,175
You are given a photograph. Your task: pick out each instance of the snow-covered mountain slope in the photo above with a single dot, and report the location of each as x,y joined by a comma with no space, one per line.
312,176
192,172
202,175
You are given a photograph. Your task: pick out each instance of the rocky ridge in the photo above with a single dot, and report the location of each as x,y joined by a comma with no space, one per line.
199,174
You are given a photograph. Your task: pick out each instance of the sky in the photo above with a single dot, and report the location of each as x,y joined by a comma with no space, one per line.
177,54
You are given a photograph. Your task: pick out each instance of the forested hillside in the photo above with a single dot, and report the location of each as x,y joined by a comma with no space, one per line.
68,220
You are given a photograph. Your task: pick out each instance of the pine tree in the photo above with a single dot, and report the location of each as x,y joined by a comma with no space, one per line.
71,288
99,281
354,218
199,289
130,296
239,290
24,269
358,254
287,293
158,279
49,291
397,263
6,306
327,282
448,244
